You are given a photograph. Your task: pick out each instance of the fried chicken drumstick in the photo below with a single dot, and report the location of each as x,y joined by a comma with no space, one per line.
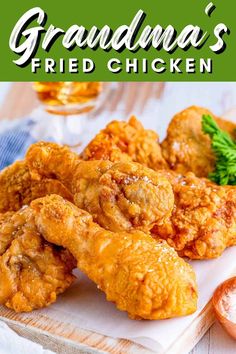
121,196
200,225
127,142
186,148
32,271
141,276
17,188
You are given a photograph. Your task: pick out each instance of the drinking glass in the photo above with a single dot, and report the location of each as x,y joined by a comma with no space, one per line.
67,99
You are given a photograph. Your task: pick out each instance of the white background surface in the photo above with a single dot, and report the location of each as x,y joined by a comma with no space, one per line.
219,97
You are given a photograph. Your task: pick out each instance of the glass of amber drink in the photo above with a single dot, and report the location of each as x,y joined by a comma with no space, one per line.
68,98
70,103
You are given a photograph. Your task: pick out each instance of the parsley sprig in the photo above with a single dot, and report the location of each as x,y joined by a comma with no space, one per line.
224,148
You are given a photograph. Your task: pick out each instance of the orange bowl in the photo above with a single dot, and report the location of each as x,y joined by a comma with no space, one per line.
221,313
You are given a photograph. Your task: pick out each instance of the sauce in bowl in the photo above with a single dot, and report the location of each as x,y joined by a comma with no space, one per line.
224,303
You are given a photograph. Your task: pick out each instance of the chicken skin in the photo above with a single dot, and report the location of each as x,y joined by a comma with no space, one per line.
186,148
126,142
17,188
203,221
32,271
198,219
120,196
141,276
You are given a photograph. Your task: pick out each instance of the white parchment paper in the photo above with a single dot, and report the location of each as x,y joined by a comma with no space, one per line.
84,306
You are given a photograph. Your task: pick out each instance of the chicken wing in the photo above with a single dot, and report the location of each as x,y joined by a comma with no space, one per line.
186,148
141,276
17,188
126,141
120,196
32,271
203,221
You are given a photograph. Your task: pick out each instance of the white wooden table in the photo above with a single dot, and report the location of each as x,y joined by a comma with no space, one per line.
171,98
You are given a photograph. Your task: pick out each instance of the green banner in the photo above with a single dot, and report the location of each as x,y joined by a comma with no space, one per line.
148,40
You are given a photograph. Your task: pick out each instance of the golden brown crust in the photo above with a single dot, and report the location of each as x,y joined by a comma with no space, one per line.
126,142
123,196
47,155
186,148
203,221
120,196
126,196
32,271
142,276
17,188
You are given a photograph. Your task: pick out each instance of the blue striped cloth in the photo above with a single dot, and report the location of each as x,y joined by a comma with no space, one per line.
14,142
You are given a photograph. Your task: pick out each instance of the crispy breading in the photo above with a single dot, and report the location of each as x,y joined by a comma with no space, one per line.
141,276
33,272
189,212
186,148
203,221
120,196
127,142
17,188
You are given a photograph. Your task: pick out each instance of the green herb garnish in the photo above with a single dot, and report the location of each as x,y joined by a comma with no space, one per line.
224,148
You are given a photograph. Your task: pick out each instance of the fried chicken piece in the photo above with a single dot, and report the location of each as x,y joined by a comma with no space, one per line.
32,271
120,196
203,221
141,276
186,148
17,188
127,142
199,222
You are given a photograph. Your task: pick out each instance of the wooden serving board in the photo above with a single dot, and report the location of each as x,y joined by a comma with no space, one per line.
64,338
